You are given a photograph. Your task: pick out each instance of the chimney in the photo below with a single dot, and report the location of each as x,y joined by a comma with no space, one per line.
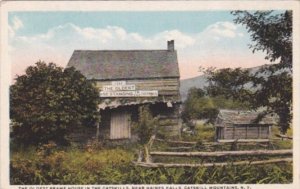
171,45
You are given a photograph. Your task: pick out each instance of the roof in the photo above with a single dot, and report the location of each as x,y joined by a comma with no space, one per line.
244,117
125,64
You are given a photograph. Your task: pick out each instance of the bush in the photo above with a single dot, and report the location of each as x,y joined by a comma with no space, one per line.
199,105
48,102
43,166
146,125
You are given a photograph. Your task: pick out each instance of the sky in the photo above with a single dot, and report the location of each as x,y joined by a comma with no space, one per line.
202,38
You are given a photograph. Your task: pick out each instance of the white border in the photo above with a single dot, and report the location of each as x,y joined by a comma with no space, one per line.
141,6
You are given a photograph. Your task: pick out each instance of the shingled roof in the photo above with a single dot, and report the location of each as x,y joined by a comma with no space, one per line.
125,64
243,117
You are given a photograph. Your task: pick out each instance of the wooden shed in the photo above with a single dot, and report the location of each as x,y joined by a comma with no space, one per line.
235,124
128,79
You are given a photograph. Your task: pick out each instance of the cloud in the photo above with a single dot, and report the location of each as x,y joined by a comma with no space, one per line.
115,37
68,37
14,26
17,23
223,29
11,32
182,40
58,43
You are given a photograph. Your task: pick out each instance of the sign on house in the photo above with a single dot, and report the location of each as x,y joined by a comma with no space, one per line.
118,88
121,89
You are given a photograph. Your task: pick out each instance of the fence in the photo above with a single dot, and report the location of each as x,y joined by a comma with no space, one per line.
285,155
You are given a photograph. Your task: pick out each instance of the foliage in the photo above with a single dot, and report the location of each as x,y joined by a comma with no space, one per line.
232,83
271,86
215,175
270,32
203,132
112,166
49,101
44,167
50,164
199,105
146,125
71,166
282,144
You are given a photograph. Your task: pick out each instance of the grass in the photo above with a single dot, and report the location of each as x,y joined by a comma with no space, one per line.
282,144
202,133
112,165
71,166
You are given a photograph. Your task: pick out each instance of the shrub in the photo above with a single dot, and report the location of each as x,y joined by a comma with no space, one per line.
146,125
47,103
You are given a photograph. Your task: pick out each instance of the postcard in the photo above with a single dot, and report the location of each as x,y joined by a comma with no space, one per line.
149,94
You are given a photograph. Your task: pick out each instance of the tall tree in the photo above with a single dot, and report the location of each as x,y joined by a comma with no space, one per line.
271,32
200,106
48,102
271,86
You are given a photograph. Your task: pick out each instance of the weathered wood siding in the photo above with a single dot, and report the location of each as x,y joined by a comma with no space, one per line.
165,86
168,88
107,117
243,132
120,125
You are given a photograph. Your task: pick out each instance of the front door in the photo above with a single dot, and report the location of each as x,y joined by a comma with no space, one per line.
120,125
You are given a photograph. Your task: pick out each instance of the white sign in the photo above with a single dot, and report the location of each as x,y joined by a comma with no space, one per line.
118,83
152,93
118,88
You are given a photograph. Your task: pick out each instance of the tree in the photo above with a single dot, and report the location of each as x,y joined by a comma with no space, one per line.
199,105
270,32
48,102
271,86
230,83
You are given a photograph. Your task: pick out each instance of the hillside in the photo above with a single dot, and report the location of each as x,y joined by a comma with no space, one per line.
200,82
186,84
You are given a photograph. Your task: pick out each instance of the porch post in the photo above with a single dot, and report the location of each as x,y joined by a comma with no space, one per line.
97,132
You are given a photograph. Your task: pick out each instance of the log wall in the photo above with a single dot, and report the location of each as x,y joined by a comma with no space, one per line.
169,119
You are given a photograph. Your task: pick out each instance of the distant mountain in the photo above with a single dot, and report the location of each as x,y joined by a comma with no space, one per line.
201,82
186,84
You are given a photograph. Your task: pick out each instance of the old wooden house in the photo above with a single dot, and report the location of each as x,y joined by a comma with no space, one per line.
128,79
234,124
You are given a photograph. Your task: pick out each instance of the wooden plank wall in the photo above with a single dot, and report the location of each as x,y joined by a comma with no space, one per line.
120,125
105,123
246,132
